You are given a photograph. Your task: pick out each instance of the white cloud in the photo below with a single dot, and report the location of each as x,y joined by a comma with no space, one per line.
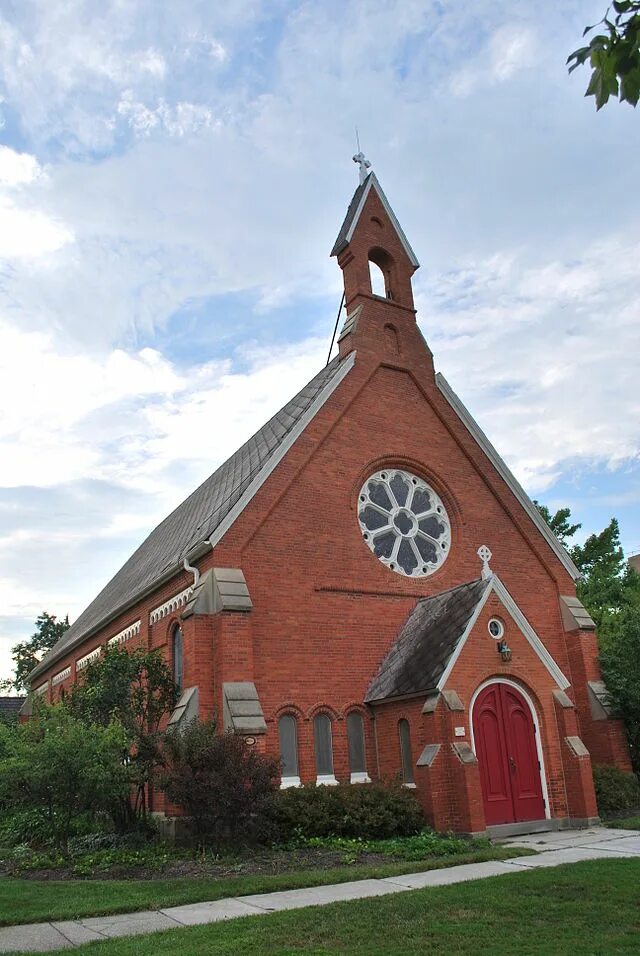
180,177
26,231
16,168
542,354
511,49
28,234
180,120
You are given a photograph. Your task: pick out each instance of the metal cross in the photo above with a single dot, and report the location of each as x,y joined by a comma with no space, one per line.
364,165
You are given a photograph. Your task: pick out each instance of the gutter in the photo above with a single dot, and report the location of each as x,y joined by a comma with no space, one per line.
197,552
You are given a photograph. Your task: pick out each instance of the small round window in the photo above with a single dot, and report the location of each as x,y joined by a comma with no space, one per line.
496,628
404,522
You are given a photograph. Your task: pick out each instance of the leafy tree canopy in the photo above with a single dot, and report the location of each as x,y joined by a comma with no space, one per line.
59,767
28,653
610,591
137,689
559,522
614,55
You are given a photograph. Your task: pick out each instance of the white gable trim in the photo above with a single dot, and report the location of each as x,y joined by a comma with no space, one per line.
372,181
463,640
497,587
476,432
282,450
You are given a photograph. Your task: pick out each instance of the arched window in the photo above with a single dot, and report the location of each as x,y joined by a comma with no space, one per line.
288,737
405,753
378,283
357,755
176,651
381,272
323,743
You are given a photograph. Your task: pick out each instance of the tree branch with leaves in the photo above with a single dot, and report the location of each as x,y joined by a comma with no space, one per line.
614,55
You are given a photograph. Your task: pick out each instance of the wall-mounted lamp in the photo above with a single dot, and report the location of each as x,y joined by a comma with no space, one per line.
504,650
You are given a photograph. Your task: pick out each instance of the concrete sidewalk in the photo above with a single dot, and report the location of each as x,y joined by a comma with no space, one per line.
564,846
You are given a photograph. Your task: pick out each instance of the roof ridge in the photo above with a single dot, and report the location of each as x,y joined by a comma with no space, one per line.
196,518
455,587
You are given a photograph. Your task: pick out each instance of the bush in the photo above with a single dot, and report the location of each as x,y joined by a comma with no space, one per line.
32,827
224,786
617,793
58,768
372,811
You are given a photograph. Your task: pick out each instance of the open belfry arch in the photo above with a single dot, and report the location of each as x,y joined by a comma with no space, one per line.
365,590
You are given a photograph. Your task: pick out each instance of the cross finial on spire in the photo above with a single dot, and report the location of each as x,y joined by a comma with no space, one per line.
485,556
364,165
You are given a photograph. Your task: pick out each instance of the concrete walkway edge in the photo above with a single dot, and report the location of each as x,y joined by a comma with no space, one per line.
569,846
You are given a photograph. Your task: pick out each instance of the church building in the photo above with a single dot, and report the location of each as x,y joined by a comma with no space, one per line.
366,591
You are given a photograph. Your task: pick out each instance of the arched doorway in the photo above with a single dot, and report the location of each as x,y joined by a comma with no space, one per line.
504,734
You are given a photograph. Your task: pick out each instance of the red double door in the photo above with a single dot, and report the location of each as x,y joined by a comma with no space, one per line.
505,742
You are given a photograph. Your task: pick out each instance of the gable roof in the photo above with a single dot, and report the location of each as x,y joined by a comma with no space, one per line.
506,474
434,635
206,514
420,655
353,215
495,586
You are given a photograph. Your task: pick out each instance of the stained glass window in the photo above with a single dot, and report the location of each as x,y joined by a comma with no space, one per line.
355,740
405,751
323,745
177,658
287,734
404,522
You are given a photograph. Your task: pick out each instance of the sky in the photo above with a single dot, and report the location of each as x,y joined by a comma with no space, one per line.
172,179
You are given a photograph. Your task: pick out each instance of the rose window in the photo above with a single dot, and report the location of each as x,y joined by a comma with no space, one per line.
404,523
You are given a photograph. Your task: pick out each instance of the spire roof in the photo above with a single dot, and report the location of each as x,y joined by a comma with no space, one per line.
355,210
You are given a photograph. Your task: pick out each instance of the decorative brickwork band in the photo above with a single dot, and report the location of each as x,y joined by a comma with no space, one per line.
61,675
173,604
122,636
88,659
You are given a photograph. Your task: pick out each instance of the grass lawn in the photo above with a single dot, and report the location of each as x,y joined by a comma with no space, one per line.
32,901
589,908
629,823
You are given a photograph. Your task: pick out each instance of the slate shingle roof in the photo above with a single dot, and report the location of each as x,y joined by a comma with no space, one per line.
425,644
341,241
10,707
193,521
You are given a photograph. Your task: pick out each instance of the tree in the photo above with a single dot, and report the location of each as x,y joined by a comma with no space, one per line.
614,55
27,654
610,591
559,522
224,786
60,767
137,689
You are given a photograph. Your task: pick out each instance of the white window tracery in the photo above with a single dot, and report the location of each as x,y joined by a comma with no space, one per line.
404,522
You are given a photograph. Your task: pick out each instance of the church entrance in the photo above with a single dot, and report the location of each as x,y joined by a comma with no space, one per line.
505,744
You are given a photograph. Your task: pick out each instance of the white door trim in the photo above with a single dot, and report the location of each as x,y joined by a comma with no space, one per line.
536,723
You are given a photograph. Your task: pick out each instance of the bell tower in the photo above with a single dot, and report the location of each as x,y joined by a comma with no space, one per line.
377,263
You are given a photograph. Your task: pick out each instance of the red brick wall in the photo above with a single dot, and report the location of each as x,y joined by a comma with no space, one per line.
326,611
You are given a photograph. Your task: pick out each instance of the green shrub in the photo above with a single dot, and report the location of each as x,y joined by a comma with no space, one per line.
58,768
224,786
365,811
617,793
